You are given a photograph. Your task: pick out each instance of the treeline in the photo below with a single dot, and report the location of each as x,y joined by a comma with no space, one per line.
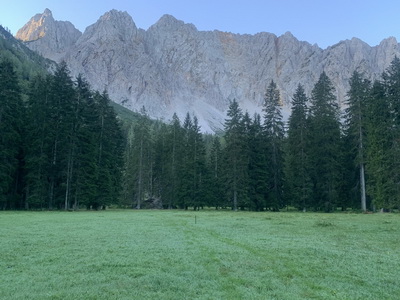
322,160
60,148
64,148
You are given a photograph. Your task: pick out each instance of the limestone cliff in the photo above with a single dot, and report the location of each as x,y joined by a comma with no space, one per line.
52,39
173,67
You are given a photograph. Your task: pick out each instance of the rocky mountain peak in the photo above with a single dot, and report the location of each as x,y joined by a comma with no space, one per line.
168,22
173,67
47,13
117,18
113,25
37,27
48,37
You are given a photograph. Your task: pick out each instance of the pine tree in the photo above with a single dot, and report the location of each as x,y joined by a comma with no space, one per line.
355,121
215,183
274,132
235,164
161,162
391,81
257,168
325,145
11,132
174,150
84,185
38,139
109,154
378,166
61,97
141,159
297,161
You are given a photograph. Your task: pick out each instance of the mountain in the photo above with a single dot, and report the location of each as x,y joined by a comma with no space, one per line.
27,63
48,37
173,67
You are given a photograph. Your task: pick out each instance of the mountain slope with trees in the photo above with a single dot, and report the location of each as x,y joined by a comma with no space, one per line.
62,146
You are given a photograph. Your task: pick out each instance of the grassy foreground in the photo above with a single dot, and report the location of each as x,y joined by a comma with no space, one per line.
198,255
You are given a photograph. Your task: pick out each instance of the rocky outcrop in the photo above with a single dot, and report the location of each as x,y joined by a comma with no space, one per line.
173,67
50,38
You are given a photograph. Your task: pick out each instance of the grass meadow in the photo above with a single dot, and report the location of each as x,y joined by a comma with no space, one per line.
127,254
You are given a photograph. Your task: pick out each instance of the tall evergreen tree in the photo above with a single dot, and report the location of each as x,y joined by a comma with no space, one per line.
378,166
110,147
161,162
274,132
215,183
297,162
11,130
174,149
84,184
39,141
61,97
355,121
257,168
235,164
391,81
325,145
193,172
140,159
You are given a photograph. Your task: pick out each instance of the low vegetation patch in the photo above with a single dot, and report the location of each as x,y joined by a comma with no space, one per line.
198,255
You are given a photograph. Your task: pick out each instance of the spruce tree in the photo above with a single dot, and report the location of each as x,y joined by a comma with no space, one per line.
11,133
39,141
379,163
235,164
391,81
297,162
109,154
257,165
84,185
355,130
215,183
274,132
140,159
325,145
174,149
161,181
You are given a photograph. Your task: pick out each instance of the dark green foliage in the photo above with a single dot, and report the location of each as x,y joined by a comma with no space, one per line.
274,132
355,137
297,160
235,157
193,170
74,145
325,145
11,135
258,165
378,138
215,191
110,146
138,162
383,136
62,147
391,81
38,158
27,63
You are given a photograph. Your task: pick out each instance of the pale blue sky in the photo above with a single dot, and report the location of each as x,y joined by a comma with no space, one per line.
316,21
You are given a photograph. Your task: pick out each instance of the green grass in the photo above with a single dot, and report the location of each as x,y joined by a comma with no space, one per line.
224,255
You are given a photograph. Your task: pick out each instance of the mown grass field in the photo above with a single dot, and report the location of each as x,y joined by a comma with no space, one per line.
198,255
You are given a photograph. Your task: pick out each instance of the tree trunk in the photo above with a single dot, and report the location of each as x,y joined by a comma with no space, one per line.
362,183
139,198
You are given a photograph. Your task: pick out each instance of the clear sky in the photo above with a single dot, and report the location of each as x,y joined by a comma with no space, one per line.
324,22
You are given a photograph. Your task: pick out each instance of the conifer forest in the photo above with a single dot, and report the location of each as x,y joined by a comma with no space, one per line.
63,146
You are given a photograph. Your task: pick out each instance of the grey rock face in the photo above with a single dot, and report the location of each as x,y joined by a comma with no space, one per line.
50,38
173,67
